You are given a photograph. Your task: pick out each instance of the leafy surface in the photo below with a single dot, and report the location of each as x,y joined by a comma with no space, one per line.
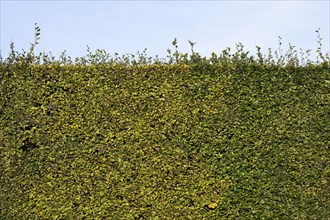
198,141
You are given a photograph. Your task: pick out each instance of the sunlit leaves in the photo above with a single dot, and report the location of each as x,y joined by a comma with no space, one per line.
227,137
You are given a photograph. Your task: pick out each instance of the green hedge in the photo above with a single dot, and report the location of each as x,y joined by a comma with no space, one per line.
225,138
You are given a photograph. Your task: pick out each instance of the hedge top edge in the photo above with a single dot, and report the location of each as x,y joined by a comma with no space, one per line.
277,58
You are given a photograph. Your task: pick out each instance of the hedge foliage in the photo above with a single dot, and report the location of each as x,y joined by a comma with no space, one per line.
229,137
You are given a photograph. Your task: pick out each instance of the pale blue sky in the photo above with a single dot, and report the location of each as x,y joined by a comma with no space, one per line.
130,26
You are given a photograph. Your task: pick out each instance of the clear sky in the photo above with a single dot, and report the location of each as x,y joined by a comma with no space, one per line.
130,26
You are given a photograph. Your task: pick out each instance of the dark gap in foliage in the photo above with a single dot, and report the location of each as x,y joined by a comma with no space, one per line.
28,145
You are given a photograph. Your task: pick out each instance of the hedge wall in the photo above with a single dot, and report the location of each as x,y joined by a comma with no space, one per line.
229,140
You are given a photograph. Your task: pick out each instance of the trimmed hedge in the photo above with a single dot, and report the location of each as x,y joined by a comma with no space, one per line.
228,139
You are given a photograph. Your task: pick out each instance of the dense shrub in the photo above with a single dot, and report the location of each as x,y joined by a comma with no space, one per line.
226,137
